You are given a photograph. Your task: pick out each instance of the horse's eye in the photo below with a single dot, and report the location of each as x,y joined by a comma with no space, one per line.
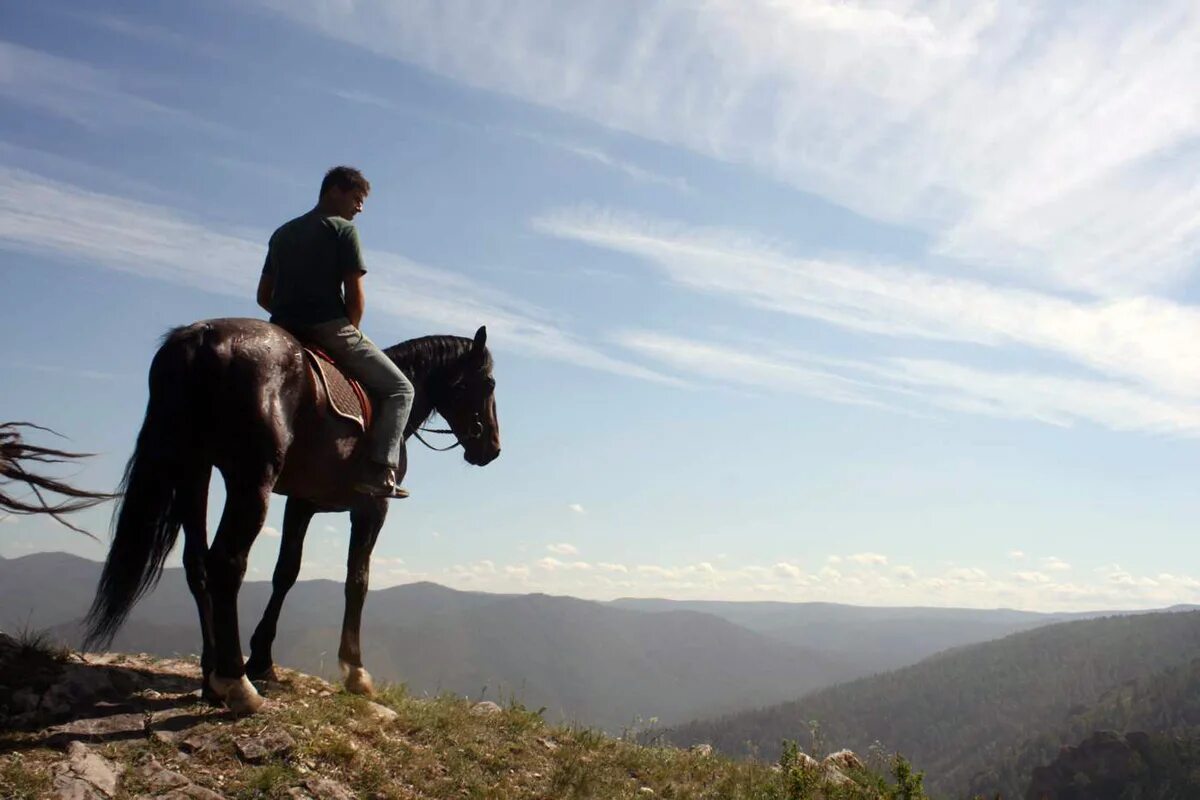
490,384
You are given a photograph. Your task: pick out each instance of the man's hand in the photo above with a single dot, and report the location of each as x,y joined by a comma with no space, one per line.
356,300
266,288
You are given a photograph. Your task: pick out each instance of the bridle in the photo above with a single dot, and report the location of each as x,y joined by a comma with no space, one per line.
475,432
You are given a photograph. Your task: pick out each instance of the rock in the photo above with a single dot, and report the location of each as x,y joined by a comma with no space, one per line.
189,792
85,775
99,729
69,787
1105,762
321,789
202,742
168,724
844,760
380,713
159,779
485,708
549,744
834,776
701,749
646,790
271,743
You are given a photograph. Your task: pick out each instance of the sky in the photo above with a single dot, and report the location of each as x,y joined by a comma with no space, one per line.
886,303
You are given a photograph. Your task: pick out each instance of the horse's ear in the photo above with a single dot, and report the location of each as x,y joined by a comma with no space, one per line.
480,339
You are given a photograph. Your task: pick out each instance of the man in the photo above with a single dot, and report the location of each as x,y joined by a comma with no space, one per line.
312,284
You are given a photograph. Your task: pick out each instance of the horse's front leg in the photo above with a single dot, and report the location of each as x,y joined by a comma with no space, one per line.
296,517
366,520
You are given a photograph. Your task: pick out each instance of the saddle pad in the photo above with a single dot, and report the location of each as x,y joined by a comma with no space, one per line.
346,396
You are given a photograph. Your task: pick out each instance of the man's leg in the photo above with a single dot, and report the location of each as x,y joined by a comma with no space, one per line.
363,361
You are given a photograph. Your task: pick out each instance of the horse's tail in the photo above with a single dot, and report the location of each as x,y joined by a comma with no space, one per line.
146,521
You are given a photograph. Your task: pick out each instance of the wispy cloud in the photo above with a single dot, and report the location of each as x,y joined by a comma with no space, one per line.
602,157
1083,177
50,218
1151,376
914,385
90,96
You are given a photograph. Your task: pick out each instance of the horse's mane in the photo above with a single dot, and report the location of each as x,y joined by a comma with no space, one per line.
422,356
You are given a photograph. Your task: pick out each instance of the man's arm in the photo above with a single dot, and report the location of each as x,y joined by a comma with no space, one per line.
266,287
356,300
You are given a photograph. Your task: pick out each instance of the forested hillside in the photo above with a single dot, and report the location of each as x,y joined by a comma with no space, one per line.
1166,703
958,713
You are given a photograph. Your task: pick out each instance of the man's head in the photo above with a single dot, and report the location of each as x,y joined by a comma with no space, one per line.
343,191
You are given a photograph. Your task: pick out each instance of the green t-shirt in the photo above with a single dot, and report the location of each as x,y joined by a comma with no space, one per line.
309,257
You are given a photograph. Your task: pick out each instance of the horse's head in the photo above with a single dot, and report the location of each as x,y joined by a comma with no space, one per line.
468,403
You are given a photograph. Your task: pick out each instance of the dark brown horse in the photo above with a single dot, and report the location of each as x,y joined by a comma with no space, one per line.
237,394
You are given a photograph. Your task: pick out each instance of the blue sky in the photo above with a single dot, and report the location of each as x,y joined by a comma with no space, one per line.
882,303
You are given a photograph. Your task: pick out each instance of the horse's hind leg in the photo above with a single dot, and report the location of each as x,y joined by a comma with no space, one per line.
243,517
296,516
192,500
366,520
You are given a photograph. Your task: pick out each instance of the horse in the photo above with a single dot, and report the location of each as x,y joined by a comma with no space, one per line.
238,394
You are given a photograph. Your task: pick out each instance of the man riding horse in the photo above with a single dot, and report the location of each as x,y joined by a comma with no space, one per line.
241,396
312,285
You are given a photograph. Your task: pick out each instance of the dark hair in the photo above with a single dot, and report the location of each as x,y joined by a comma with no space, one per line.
345,178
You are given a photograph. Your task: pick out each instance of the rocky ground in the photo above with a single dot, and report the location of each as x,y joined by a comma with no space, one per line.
117,727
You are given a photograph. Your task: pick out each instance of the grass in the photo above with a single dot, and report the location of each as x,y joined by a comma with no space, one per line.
444,748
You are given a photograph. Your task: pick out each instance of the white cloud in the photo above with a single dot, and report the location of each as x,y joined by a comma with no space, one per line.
787,570
563,549
270,532
577,508
608,567
1055,564
1016,555
1139,339
1031,577
599,156
875,107
875,559
50,218
966,574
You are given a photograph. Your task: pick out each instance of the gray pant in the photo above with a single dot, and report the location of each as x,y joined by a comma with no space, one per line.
362,360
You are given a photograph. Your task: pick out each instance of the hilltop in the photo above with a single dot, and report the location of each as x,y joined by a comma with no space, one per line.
113,727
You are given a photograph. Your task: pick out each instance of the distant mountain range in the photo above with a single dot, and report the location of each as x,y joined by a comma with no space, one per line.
611,665
980,718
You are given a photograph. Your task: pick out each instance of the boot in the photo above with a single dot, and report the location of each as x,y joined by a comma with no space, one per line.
379,480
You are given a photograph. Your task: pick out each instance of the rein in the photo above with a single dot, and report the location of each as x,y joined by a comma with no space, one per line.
421,439
476,432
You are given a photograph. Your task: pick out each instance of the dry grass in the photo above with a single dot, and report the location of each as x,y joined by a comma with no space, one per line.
435,748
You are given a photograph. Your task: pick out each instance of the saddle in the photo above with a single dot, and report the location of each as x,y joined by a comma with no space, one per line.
347,398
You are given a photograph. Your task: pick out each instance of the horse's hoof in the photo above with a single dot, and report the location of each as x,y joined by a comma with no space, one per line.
239,694
358,680
265,674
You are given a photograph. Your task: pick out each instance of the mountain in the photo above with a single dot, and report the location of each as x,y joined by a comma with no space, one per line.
1108,766
959,713
870,639
1166,703
583,661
